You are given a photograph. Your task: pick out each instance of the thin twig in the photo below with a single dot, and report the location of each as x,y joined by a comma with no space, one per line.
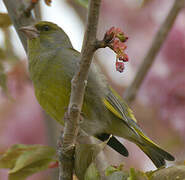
30,7
77,93
37,11
160,37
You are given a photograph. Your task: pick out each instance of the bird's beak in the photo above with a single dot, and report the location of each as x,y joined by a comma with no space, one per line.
30,31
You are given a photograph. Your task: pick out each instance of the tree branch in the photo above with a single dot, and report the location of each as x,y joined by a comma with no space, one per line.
148,60
16,10
78,83
31,6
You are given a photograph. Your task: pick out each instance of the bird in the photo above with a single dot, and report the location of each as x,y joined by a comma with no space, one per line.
52,64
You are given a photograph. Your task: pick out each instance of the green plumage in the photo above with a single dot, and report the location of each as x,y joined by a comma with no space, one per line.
52,64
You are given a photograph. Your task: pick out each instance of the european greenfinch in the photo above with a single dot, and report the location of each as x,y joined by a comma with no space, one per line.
52,64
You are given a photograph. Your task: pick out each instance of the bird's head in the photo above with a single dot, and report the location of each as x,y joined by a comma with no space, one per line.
46,33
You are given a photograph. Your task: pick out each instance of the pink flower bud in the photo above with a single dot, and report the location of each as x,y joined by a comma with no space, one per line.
116,38
124,58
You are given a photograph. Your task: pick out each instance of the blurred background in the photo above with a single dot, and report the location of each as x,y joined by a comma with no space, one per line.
160,103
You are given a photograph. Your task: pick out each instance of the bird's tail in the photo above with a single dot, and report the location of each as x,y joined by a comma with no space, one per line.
154,152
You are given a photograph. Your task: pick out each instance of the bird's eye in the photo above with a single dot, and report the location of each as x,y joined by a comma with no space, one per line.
46,28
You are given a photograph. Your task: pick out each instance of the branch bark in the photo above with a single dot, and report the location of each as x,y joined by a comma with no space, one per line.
78,83
148,60
16,10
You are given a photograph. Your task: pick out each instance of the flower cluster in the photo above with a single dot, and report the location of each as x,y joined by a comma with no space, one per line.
117,40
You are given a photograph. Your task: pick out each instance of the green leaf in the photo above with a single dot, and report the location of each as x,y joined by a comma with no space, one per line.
92,173
4,20
120,174
109,170
132,174
116,173
25,160
29,170
32,155
171,173
137,175
85,154
9,158
83,3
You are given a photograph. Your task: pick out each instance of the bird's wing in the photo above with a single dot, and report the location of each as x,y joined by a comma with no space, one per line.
118,107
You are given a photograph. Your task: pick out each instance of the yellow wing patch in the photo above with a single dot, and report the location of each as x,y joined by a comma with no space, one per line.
130,112
145,137
112,109
125,108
